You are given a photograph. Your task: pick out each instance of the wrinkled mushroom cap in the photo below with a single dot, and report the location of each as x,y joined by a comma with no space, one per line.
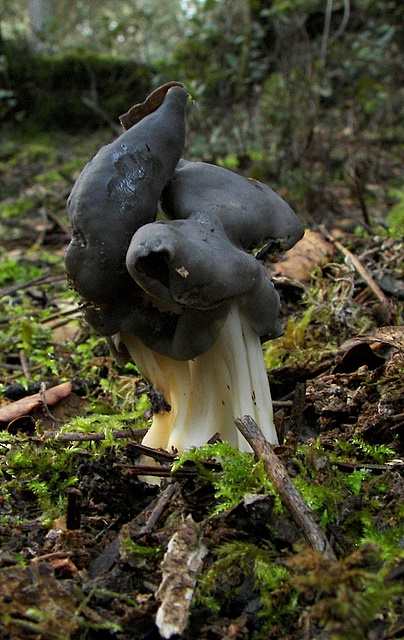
192,264
172,283
200,260
252,214
118,192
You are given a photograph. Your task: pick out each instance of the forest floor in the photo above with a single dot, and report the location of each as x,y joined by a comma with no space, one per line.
89,550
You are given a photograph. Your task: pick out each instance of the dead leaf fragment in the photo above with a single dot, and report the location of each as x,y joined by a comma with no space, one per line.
22,407
389,335
182,563
63,567
311,251
31,596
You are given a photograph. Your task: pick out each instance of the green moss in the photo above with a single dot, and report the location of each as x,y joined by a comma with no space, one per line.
297,345
347,595
16,208
48,89
270,580
43,469
240,473
343,597
359,450
395,217
105,424
18,271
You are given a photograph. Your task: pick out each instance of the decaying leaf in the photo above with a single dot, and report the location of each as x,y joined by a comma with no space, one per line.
21,407
181,565
311,251
32,599
389,335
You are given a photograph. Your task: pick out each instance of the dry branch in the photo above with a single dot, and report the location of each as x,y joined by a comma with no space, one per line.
289,494
73,436
361,270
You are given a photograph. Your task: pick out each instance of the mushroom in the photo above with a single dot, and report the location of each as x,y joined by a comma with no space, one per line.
185,297
118,192
200,268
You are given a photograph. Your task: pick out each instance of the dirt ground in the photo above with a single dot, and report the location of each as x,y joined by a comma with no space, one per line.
107,555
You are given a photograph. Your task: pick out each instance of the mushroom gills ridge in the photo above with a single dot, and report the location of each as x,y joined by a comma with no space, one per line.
206,393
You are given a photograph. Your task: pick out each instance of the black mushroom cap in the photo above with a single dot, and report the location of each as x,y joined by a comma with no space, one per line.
171,283
252,214
118,192
191,263
200,260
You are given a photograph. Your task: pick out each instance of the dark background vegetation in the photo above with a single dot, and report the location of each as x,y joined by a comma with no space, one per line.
303,95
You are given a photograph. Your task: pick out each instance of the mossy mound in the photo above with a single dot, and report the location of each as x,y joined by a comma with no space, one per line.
53,91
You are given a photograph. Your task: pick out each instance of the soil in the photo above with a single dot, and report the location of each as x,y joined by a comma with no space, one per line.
97,569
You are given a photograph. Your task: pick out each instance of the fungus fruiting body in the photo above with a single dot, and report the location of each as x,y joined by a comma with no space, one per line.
183,297
117,192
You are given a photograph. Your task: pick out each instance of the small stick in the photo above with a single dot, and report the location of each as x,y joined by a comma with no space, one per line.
358,266
19,374
110,555
64,227
157,511
62,314
290,496
24,364
296,416
42,393
157,454
73,509
13,288
160,471
73,436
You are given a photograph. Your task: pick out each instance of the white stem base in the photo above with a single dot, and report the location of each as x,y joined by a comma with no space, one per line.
208,392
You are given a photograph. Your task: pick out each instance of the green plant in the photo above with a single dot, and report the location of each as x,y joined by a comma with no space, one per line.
359,450
388,539
103,423
44,470
345,596
18,271
240,474
395,216
298,343
16,208
271,580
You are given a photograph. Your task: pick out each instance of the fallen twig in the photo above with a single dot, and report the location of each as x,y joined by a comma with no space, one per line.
157,454
73,436
24,364
62,314
13,288
360,269
289,494
296,416
62,225
155,514
42,394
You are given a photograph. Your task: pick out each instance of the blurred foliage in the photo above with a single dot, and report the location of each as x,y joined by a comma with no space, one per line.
298,97
396,213
51,90
143,30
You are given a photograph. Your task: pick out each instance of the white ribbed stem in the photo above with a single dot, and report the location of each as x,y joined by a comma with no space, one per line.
207,393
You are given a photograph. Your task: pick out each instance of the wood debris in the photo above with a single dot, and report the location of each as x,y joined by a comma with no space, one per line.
181,565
